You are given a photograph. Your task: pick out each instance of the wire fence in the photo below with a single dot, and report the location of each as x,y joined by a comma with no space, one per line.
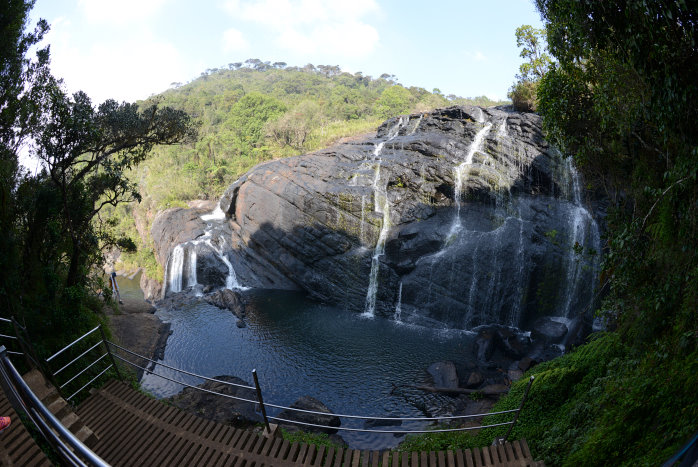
101,356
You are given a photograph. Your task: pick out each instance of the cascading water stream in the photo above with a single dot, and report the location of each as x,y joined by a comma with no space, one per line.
583,226
398,307
175,269
176,264
381,206
460,170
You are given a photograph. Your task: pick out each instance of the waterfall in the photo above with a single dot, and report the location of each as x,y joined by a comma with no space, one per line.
502,130
414,129
583,230
459,172
363,215
398,307
216,215
382,206
231,281
175,269
192,266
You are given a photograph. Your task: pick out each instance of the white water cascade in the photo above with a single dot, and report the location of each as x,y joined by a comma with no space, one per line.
583,226
175,269
177,264
381,206
460,172
398,307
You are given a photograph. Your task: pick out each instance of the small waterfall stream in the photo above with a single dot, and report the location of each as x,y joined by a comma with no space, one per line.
182,264
176,265
381,206
460,172
583,231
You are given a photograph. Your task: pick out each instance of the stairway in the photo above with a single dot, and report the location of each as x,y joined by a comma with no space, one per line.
59,407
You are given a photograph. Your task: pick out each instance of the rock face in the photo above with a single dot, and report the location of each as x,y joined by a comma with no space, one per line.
464,216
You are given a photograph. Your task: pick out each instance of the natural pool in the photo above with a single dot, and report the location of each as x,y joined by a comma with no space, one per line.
300,347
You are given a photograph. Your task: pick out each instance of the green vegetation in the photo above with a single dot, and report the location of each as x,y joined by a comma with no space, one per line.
523,92
318,439
52,224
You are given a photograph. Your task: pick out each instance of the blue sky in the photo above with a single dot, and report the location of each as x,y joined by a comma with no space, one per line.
130,49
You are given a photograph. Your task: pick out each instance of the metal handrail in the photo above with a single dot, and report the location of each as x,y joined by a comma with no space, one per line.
71,344
82,371
55,373
364,430
360,417
264,405
188,385
73,451
178,369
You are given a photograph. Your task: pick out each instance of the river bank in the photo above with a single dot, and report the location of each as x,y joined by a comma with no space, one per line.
134,324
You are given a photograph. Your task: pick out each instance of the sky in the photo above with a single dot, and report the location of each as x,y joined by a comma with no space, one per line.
130,49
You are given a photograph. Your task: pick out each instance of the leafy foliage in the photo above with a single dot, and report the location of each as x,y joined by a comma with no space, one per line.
533,46
52,229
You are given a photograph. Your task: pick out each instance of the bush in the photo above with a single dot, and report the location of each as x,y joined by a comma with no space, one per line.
523,96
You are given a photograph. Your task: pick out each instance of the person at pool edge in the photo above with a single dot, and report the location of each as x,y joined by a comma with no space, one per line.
115,287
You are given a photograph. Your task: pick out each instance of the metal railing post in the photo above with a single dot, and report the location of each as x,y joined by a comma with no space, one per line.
516,416
111,357
261,402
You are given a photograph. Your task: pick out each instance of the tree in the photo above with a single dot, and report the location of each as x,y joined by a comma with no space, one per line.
51,232
88,151
393,101
248,117
532,41
22,84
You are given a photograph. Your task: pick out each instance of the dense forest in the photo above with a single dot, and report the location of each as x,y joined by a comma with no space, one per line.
255,111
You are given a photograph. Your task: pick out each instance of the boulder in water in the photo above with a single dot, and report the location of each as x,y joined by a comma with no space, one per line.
444,375
547,331
310,403
228,299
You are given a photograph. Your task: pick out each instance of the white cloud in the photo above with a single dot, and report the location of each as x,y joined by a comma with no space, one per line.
313,26
119,11
476,56
125,68
234,41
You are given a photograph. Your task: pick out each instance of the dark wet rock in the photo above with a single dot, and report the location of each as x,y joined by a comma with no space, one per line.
547,331
577,334
474,380
525,363
484,344
494,389
310,403
514,344
219,408
444,375
228,299
309,222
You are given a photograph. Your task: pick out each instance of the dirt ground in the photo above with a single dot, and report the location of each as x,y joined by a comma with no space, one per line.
134,326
